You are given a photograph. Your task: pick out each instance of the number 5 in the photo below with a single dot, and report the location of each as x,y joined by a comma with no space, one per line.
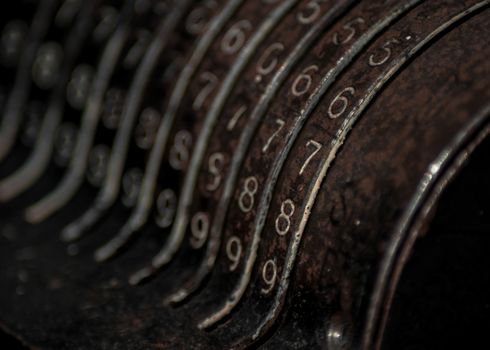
348,27
386,48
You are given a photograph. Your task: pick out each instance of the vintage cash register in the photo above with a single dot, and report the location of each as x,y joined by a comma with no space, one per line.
245,174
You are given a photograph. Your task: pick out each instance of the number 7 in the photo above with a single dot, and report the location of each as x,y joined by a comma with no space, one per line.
317,147
281,125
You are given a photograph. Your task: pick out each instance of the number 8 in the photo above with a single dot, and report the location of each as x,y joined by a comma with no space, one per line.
287,211
250,188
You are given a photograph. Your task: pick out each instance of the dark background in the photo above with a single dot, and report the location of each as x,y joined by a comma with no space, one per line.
9,342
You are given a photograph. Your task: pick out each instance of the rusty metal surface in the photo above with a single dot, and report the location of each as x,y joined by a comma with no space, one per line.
229,174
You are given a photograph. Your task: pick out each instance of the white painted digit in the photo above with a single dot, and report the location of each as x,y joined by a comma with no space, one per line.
310,13
266,63
374,62
350,28
236,117
283,220
234,251
247,196
179,153
303,81
197,19
342,101
166,206
235,37
199,230
147,127
316,148
210,83
280,124
269,276
215,165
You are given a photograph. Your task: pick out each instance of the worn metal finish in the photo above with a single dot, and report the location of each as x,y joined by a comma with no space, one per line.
229,174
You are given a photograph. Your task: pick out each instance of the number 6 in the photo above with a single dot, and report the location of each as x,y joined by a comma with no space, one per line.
342,100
